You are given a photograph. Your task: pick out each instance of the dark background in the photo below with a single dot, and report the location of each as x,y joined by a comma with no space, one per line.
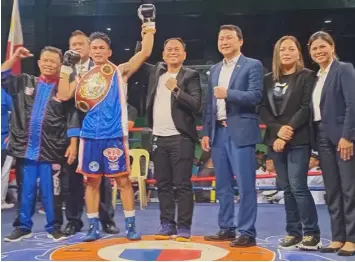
50,22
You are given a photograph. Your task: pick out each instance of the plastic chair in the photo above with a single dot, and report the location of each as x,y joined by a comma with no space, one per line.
136,175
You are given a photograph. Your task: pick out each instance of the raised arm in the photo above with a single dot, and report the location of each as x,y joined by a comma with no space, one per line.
129,68
19,54
11,83
67,83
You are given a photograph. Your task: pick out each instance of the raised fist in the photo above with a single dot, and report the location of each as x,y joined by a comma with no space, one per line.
146,13
71,58
21,53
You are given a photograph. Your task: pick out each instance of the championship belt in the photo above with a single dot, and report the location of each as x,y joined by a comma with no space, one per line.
94,86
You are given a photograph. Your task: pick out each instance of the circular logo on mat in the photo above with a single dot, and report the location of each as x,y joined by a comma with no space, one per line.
94,166
149,249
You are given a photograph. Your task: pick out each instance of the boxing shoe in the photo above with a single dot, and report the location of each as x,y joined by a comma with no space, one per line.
93,233
131,229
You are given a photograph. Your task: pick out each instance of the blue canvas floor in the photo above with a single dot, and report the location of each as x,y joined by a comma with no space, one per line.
270,227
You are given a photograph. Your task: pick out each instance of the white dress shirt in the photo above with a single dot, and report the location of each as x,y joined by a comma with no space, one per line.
223,80
317,93
82,69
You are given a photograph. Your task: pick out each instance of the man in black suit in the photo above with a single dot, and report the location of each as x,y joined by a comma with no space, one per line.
174,96
73,182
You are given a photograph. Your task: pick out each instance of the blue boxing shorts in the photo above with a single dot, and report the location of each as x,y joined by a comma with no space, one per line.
103,157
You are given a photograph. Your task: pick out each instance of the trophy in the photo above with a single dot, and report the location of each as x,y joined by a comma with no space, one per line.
146,13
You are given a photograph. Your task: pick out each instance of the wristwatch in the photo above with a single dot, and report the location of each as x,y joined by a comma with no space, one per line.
175,90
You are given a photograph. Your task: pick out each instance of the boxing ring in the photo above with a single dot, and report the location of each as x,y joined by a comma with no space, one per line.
270,227
150,182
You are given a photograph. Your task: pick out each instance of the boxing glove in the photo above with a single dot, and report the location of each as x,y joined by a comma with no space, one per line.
146,13
70,59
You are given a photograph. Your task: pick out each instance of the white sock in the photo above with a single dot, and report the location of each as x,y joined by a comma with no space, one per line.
93,215
129,213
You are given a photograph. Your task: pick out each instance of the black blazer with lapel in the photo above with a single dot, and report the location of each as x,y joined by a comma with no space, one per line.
185,105
337,104
295,109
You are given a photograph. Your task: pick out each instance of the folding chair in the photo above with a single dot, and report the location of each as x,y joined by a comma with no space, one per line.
136,175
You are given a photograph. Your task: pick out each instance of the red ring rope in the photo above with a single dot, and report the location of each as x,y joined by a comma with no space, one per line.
147,129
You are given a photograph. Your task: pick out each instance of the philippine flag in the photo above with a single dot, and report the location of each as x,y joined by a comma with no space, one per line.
15,36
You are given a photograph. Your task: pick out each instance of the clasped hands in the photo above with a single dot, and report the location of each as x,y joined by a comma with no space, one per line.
285,134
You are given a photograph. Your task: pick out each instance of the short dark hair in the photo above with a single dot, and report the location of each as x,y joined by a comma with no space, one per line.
177,39
52,49
102,36
232,28
77,32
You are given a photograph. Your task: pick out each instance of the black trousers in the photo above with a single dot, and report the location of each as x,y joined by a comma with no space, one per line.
339,182
73,195
173,159
57,198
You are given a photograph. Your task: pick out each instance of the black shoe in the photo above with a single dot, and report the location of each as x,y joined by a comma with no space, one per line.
345,253
290,242
110,229
57,235
222,235
71,229
18,234
243,241
310,243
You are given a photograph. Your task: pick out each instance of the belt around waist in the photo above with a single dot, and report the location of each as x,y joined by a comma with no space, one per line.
221,123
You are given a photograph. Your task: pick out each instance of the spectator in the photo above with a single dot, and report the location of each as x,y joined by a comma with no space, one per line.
206,171
260,158
316,181
263,195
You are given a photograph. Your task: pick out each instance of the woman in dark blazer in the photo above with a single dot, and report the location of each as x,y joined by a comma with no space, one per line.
333,117
285,109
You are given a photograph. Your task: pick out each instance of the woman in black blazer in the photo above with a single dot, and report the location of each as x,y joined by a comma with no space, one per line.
285,109
333,117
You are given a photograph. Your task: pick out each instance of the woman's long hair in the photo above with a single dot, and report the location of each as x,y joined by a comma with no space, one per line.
276,61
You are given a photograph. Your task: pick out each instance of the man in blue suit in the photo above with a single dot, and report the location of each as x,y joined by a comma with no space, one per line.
231,131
